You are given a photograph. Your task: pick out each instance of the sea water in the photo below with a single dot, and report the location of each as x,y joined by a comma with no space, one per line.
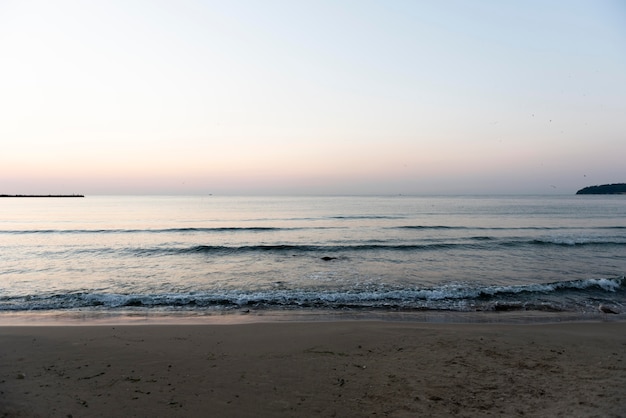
216,254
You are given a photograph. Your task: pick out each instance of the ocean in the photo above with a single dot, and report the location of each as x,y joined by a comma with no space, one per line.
219,255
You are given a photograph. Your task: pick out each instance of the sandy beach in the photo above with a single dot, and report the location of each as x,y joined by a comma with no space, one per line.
326,369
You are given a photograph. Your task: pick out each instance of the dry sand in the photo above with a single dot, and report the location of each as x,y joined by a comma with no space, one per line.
326,369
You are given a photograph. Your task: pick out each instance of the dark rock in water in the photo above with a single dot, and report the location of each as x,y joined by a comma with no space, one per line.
327,258
608,309
617,188
505,307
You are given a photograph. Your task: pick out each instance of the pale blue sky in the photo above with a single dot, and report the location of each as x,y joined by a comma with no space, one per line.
311,97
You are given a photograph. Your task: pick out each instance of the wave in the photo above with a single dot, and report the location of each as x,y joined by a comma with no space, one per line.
367,217
484,243
235,229
155,231
577,242
520,228
475,243
569,296
282,248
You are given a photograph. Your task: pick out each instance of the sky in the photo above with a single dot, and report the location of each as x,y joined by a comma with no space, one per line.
311,97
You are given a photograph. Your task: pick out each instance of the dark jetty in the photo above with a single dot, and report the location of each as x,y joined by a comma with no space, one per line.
616,188
42,195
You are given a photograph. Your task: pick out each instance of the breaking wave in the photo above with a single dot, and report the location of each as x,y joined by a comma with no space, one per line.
566,296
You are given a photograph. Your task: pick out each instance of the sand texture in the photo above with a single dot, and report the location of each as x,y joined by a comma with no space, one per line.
314,369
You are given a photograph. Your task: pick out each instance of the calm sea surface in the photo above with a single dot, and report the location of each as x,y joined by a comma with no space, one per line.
221,254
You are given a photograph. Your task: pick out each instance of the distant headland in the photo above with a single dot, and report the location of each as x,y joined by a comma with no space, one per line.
616,188
42,195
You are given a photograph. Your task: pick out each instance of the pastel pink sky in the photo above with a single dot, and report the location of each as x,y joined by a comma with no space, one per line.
246,97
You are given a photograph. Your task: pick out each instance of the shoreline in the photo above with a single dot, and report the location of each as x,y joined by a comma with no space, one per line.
247,316
337,368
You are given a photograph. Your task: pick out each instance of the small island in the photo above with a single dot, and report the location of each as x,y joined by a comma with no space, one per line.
42,195
616,188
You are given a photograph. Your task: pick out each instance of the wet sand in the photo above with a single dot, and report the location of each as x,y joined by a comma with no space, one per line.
325,369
